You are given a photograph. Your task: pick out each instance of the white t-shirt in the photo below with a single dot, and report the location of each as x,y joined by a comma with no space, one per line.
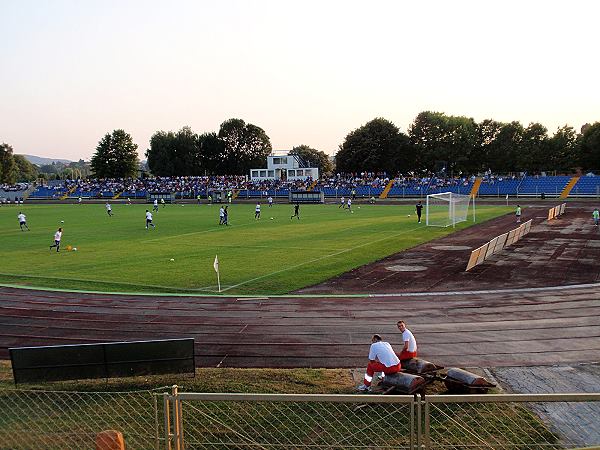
349,202
412,342
108,208
257,208
21,218
384,353
270,199
148,215
221,212
342,200
155,202
57,235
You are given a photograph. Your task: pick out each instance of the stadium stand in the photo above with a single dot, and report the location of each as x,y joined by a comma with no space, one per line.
365,185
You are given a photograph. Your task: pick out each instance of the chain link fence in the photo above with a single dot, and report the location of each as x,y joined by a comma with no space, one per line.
31,419
51,420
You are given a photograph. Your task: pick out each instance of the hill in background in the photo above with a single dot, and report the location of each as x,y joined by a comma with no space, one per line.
40,161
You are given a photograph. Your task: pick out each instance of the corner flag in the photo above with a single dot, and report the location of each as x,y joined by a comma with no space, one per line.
216,266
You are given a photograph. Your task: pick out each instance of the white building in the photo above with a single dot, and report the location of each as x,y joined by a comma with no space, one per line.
284,167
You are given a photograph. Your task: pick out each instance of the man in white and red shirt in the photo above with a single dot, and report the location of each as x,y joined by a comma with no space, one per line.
409,349
382,358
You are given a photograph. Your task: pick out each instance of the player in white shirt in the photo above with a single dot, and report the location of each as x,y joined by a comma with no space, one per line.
108,209
349,204
22,221
57,238
257,211
149,220
342,203
382,358
270,200
79,201
155,205
409,349
221,215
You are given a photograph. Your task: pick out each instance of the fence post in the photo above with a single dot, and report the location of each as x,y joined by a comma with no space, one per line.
177,431
167,417
427,424
419,422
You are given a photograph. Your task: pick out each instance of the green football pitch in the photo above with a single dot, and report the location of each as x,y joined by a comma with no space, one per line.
265,256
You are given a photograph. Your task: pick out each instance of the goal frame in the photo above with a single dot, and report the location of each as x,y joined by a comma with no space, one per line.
451,196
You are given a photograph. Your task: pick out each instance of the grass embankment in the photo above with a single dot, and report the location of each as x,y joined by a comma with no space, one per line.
71,419
265,256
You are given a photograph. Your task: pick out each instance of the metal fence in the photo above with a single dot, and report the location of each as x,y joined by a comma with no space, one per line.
176,421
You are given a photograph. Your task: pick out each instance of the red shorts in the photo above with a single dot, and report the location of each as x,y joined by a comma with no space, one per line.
404,355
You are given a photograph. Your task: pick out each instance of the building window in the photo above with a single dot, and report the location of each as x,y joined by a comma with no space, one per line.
271,173
254,173
263,173
291,173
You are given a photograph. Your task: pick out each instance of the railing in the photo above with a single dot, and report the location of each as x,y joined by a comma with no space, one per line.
176,421
270,421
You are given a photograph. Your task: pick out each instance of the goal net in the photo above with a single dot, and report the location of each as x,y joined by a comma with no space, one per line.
447,208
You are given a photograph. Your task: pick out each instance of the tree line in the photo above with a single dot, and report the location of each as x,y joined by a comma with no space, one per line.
434,142
456,144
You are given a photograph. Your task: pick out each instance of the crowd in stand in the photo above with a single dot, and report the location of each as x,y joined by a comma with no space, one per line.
193,186
14,187
181,184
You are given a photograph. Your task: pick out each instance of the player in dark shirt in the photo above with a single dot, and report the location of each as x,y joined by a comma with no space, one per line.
296,211
419,209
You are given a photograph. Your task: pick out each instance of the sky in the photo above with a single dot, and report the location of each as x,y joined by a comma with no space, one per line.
306,72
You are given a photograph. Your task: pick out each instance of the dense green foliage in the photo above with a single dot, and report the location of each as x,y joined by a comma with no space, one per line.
453,145
265,256
237,148
115,157
376,146
8,167
314,158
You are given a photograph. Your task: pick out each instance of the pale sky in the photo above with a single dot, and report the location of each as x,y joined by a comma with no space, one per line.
307,72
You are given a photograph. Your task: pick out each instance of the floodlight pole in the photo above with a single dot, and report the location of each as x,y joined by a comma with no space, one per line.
473,208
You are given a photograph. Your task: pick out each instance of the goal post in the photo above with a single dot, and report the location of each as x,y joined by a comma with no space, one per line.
446,209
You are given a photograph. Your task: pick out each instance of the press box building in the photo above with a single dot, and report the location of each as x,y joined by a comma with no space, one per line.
285,167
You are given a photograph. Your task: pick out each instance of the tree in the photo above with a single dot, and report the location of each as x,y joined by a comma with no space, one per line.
25,170
212,151
116,156
533,154
563,149
160,155
377,146
8,167
448,139
590,147
246,146
314,158
504,149
487,133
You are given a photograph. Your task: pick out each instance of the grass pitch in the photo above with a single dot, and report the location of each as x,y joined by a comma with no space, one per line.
265,256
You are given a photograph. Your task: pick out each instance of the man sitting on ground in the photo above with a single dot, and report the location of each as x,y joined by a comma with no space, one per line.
409,350
382,358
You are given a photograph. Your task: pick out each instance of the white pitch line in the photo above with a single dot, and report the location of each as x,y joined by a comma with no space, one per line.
320,258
